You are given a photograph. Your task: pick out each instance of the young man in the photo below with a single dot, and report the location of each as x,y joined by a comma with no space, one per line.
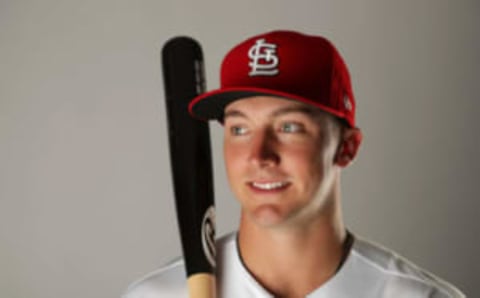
288,112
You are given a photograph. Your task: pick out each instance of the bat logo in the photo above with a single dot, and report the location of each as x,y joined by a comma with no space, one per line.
208,235
199,76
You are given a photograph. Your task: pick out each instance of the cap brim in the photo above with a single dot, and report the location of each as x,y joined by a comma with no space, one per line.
211,105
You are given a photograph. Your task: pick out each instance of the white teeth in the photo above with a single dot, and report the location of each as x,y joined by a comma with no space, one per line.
269,185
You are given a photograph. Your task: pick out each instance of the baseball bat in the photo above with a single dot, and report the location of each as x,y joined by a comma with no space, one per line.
191,163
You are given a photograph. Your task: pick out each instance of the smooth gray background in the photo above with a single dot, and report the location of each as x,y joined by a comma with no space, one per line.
85,196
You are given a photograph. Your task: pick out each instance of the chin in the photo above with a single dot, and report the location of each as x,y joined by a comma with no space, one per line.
268,216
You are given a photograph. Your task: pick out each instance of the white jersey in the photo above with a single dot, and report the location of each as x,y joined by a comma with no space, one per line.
370,271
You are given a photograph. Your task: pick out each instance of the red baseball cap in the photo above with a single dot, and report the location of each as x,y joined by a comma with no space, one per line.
284,64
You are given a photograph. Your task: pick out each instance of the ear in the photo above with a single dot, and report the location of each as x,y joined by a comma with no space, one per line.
348,147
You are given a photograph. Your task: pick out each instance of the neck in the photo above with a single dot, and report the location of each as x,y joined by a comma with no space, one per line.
292,261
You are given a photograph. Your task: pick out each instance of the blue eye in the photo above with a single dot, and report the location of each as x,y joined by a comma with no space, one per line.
238,130
292,127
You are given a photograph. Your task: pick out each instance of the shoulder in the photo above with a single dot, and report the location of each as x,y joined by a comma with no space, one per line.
399,275
170,281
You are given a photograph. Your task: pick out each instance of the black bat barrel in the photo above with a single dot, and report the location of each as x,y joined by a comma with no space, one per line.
190,154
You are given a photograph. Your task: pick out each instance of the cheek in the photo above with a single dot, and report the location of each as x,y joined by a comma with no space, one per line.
305,160
234,166
308,167
232,157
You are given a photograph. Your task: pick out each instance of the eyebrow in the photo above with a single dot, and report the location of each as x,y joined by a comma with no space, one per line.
303,109
279,112
234,113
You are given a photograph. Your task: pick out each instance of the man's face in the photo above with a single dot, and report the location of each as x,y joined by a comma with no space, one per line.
279,156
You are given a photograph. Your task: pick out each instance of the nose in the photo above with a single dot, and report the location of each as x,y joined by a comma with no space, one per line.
264,149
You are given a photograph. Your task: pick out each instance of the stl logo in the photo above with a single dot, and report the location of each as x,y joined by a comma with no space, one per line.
263,59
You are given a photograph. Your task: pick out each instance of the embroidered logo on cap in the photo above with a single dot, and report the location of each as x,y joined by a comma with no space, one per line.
346,102
263,59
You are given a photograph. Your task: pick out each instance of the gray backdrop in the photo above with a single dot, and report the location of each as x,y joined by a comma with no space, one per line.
85,196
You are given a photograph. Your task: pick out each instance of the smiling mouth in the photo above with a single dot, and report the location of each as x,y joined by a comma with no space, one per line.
276,185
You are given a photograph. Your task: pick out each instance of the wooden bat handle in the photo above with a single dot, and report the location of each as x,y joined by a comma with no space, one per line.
201,285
